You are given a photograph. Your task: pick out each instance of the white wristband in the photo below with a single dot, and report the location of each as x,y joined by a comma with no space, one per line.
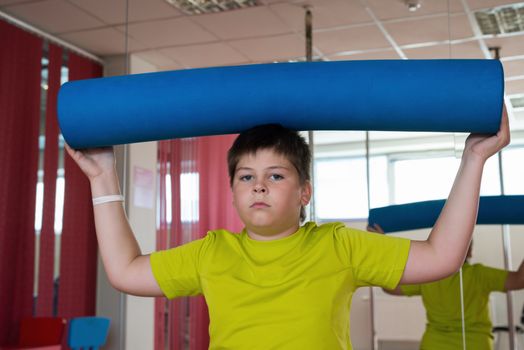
107,199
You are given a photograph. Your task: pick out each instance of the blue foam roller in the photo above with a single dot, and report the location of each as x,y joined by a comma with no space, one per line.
493,210
388,95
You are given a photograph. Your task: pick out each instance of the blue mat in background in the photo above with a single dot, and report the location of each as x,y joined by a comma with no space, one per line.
493,210
388,95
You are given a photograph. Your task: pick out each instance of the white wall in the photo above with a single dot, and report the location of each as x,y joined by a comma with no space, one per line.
142,215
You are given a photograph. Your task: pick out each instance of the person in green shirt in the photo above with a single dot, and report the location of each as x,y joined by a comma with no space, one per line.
442,302
280,284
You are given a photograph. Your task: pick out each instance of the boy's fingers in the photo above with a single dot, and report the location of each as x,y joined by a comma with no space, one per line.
69,149
503,136
375,228
504,127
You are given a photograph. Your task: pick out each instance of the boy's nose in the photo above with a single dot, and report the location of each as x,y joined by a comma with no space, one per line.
259,188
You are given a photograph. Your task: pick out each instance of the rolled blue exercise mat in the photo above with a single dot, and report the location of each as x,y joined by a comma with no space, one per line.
493,210
388,95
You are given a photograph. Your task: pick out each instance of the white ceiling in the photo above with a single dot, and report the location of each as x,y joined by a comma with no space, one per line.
274,31
342,30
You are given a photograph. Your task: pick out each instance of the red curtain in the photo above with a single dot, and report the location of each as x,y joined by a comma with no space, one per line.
215,211
205,156
170,315
161,304
44,303
20,69
216,208
78,260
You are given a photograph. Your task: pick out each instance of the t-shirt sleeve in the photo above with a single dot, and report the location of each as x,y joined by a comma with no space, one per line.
375,259
177,270
411,289
490,278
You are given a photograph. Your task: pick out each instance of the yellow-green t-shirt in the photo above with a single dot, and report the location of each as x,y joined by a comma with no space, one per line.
443,310
289,293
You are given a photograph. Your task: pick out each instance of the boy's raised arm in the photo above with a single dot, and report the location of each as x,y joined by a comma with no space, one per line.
515,279
127,269
444,251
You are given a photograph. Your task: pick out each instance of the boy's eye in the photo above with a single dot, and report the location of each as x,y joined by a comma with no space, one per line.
276,177
245,177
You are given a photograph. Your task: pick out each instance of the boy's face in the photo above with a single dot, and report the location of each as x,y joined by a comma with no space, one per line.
267,194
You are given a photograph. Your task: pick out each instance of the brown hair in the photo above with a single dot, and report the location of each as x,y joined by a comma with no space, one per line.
283,141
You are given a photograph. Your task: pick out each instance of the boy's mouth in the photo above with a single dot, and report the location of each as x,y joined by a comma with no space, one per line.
259,205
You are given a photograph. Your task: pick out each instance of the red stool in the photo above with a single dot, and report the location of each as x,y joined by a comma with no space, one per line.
41,331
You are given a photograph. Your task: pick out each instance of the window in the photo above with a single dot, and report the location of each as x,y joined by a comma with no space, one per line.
341,188
189,194
341,185
513,172
431,178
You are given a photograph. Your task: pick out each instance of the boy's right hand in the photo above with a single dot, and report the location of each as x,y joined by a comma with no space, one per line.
93,161
127,269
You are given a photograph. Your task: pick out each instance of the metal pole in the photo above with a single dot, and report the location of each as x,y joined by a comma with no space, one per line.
371,294
506,241
309,34
461,281
309,58
125,191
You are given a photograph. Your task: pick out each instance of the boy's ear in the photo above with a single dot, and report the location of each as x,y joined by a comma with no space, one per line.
307,191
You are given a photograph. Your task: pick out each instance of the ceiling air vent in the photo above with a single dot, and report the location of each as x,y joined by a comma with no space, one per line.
517,102
197,7
503,19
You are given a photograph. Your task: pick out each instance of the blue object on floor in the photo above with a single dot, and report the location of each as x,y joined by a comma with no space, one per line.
390,95
493,210
87,332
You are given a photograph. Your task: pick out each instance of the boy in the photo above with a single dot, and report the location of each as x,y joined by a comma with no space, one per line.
278,285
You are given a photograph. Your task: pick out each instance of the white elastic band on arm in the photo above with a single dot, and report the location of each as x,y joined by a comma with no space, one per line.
107,199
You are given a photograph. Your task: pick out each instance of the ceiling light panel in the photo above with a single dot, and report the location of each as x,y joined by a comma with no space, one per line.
500,20
197,7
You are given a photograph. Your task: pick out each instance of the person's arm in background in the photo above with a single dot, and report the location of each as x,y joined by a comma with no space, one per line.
397,291
127,269
515,279
443,252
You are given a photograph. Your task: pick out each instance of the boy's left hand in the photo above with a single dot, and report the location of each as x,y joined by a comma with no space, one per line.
376,228
484,145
